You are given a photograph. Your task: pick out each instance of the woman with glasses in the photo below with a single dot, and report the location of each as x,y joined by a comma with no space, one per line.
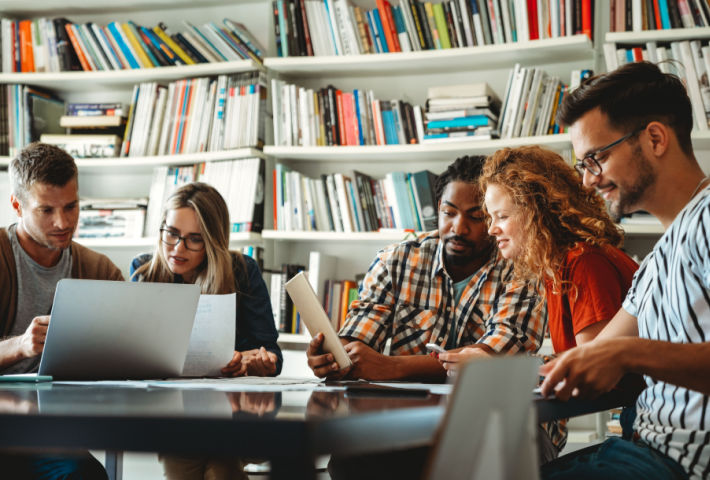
561,239
193,247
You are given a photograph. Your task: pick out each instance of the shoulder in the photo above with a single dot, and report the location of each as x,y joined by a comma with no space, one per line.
422,244
88,263
252,266
140,260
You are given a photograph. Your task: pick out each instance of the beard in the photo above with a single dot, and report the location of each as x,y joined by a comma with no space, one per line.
474,252
630,195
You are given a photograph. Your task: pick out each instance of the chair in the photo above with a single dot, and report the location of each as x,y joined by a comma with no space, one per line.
488,431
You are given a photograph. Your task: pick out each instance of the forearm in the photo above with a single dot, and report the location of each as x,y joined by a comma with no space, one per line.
10,352
421,368
681,364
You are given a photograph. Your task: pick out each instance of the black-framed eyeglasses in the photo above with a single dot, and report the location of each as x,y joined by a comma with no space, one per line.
191,242
590,161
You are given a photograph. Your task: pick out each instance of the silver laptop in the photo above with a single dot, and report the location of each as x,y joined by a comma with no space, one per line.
102,330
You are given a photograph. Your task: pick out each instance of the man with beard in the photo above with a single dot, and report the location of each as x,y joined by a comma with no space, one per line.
35,253
631,128
450,287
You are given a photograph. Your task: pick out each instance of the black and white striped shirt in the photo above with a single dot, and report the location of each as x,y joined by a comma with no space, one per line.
670,297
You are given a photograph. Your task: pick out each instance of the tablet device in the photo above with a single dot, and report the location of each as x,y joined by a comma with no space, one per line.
315,318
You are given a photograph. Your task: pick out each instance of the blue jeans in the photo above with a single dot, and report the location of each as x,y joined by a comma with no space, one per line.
81,466
615,458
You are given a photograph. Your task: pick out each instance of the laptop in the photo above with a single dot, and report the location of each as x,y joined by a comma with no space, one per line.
103,330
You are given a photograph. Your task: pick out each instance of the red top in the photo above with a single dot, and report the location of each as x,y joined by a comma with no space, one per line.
600,278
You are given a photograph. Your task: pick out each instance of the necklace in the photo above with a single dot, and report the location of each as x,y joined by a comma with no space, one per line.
702,180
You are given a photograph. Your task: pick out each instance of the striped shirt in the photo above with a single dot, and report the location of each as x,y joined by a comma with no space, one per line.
407,296
670,297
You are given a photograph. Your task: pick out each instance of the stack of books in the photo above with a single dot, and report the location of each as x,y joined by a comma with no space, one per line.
26,113
461,113
94,130
337,27
111,218
196,115
628,16
56,45
531,101
240,182
353,203
330,116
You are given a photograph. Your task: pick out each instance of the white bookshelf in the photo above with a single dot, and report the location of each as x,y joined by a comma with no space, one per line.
383,237
669,35
149,242
77,82
573,48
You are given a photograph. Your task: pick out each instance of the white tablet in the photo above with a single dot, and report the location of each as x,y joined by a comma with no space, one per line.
315,318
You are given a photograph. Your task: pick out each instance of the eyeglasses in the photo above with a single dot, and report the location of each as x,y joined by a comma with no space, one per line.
191,242
590,161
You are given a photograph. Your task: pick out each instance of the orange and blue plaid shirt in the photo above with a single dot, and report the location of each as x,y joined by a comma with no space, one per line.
407,296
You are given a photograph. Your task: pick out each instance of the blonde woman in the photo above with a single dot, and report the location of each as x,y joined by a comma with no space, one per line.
193,247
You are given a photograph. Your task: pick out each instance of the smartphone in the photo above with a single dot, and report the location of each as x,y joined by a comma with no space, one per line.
433,347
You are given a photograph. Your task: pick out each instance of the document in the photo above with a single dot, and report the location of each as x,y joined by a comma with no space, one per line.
212,339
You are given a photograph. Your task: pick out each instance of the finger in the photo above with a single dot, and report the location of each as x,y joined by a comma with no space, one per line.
315,344
554,374
319,361
42,320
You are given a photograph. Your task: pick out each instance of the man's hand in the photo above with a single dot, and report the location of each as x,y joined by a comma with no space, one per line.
586,371
260,362
323,364
31,343
237,367
369,364
453,360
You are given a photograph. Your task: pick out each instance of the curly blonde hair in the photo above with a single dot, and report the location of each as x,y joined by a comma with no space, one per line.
556,209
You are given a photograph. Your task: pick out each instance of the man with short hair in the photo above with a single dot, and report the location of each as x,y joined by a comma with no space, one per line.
35,253
448,287
631,128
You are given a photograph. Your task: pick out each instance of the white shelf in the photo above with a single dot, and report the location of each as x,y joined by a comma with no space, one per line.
146,164
241,237
294,338
563,49
380,237
642,228
51,7
409,153
669,35
76,81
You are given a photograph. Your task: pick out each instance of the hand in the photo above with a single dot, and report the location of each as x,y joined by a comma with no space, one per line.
260,362
323,364
453,360
585,371
32,341
236,367
369,364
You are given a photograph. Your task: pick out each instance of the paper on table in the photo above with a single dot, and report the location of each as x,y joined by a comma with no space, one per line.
212,339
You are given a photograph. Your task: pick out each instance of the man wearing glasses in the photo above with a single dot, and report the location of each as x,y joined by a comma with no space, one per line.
35,253
631,128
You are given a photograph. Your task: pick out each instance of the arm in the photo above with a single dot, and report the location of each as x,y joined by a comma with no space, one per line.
27,345
255,326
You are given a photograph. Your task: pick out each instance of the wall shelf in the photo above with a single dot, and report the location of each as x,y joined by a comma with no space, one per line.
668,35
240,237
297,236
563,49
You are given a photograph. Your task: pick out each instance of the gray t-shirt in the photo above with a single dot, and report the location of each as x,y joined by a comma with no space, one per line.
35,293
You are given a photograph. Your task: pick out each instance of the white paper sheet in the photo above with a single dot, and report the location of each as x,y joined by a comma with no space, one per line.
212,339
243,384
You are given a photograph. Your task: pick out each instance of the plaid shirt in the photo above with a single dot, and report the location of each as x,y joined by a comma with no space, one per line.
408,296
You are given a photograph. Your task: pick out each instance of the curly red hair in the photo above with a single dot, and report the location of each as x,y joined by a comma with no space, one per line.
558,211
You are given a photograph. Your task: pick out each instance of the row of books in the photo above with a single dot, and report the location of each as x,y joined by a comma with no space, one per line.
241,183
337,27
26,113
335,295
531,101
461,113
111,218
55,45
353,203
330,116
689,60
196,115
639,15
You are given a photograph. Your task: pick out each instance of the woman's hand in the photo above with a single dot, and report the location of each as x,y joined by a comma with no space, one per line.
260,362
237,367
